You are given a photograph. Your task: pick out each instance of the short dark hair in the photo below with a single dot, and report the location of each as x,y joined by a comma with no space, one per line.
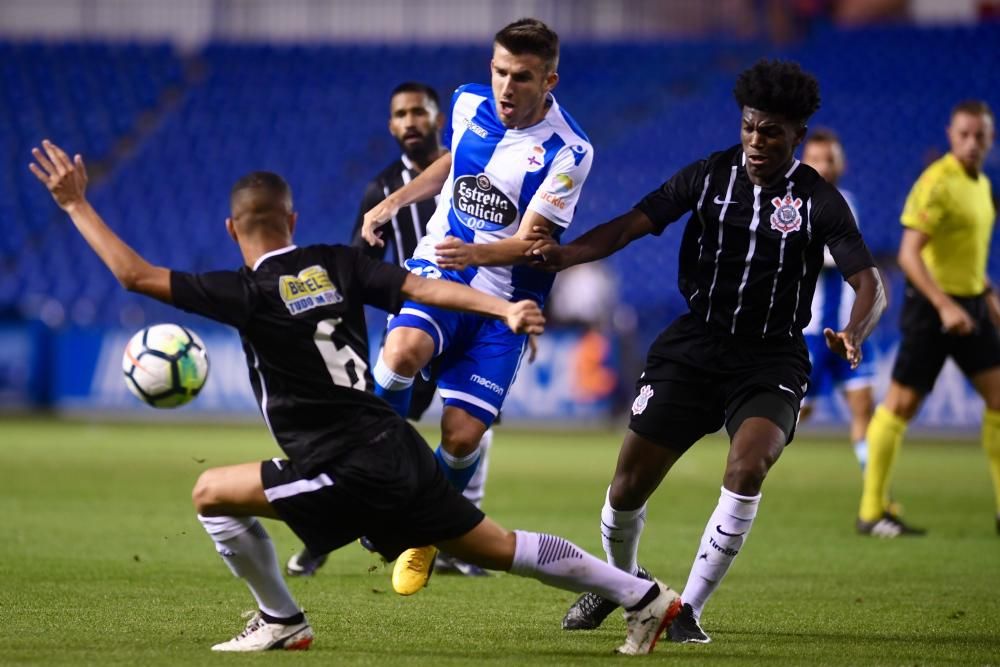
780,87
530,36
823,135
973,108
267,183
417,87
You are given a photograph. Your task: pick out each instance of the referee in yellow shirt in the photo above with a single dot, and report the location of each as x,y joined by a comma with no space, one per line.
950,308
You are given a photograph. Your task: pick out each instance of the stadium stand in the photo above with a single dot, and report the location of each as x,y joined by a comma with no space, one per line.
316,114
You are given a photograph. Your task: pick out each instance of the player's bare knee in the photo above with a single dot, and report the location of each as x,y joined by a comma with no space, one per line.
745,475
407,351
460,441
205,495
460,432
627,491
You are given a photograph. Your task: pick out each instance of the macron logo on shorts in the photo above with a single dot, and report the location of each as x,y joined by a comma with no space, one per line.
489,384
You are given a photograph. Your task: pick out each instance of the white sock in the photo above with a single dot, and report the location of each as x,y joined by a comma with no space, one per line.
861,453
620,532
248,551
560,563
725,534
477,485
387,378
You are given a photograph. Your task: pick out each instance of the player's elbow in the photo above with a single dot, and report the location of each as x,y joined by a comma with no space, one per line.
129,279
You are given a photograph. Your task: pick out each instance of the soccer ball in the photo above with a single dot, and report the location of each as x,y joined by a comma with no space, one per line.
165,365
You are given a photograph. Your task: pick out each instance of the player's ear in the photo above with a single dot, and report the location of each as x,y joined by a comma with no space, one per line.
551,79
293,218
800,134
231,230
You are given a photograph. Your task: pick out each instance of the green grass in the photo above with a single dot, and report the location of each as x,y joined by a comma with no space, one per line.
102,560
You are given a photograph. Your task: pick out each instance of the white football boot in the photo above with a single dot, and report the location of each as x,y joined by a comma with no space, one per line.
259,635
647,624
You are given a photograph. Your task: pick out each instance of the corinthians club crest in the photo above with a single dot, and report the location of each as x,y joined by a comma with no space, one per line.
786,217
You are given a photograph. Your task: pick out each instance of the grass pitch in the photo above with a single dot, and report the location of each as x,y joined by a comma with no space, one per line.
102,560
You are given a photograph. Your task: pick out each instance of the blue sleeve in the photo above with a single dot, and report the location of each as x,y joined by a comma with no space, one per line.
446,132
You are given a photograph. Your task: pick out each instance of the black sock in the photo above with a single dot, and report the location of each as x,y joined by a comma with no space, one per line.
291,620
650,595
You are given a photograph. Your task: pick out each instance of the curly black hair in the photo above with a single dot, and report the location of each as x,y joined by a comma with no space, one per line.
780,87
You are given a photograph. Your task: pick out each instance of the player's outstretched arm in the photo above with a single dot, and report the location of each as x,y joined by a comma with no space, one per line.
424,186
66,180
869,304
598,243
453,253
523,317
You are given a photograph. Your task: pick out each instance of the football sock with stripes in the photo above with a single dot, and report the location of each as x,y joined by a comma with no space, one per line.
885,437
725,533
560,563
391,387
477,485
248,551
620,533
458,469
991,445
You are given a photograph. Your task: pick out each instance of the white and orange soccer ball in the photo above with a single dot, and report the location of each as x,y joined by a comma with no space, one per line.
165,365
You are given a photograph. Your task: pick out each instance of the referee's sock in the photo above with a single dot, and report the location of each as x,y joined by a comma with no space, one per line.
458,469
885,437
991,445
391,387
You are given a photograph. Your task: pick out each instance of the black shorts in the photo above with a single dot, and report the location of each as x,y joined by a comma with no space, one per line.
423,395
390,489
925,347
696,381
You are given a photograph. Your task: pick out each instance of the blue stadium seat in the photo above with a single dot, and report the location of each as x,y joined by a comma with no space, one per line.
317,115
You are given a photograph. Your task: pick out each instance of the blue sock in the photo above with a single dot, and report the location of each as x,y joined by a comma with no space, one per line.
458,469
398,399
393,388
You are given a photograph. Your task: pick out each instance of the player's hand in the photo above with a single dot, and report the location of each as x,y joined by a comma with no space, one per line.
525,317
993,306
844,345
532,348
954,319
66,179
545,252
375,218
454,253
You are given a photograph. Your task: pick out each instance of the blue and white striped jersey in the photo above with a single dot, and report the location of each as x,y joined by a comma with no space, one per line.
834,297
497,175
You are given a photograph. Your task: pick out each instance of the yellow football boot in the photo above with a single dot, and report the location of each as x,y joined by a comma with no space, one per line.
412,570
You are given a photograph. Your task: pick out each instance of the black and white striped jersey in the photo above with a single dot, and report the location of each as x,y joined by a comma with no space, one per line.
300,315
750,255
407,227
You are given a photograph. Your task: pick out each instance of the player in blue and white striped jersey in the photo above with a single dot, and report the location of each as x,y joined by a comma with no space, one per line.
831,308
518,161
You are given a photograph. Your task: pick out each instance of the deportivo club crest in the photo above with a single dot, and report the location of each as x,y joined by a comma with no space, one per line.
786,216
642,400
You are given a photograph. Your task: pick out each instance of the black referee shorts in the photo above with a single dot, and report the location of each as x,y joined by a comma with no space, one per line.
924,347
390,489
696,381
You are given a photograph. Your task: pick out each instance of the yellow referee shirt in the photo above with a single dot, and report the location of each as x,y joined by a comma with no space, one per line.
956,212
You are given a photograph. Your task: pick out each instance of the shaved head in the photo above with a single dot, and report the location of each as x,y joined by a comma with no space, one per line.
261,202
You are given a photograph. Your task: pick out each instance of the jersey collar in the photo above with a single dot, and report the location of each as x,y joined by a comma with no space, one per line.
407,162
268,255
